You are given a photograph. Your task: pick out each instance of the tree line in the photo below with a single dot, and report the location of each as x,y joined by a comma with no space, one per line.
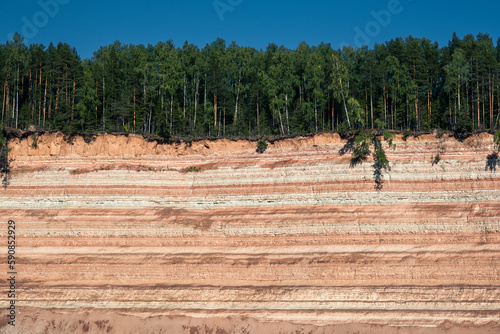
229,90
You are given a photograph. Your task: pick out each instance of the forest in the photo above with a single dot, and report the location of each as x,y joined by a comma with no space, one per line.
230,90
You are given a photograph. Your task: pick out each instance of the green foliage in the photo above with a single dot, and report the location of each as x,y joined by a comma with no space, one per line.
342,128
406,133
436,159
380,124
496,140
361,148
388,137
357,112
380,157
220,90
3,141
34,139
194,169
261,146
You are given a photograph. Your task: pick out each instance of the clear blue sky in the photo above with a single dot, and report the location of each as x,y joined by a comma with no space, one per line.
87,25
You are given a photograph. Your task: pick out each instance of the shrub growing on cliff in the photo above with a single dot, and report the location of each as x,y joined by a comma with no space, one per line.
261,146
388,137
34,139
436,159
361,148
194,169
406,133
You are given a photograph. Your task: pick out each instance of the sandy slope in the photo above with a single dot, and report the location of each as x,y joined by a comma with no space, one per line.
116,236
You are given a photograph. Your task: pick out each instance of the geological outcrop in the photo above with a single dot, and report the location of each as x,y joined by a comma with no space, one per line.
117,234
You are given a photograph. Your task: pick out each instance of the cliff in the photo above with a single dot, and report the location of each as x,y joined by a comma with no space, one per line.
118,234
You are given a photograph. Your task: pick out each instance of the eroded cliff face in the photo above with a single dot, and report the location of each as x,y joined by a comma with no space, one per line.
122,235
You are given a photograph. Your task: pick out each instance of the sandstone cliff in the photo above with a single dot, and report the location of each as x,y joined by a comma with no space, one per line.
122,235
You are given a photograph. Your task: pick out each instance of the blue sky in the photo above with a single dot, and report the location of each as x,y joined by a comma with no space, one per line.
87,25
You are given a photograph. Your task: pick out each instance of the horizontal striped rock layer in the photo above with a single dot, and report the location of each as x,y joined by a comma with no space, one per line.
119,234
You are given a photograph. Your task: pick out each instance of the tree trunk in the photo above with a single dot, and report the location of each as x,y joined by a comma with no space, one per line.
470,112
429,111
482,98
490,99
408,111
333,115
96,124
17,96
477,91
104,104
498,100
286,115
343,96
45,101
149,123
171,111
196,102
184,105
30,95
385,105
134,110
459,99
40,96
315,115
366,107
236,106
393,109
258,112
371,98
416,110
49,109
345,105
73,98
3,101
237,98
215,110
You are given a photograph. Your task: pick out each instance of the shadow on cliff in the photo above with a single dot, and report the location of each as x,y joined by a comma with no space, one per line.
347,147
378,176
492,161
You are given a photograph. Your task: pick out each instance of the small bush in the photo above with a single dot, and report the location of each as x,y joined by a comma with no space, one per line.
194,169
34,138
361,147
380,124
406,133
342,128
261,146
436,159
388,137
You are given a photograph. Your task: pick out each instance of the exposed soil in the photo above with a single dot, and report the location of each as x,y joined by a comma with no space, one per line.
121,234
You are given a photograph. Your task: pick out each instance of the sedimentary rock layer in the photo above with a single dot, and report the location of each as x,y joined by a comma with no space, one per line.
119,234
